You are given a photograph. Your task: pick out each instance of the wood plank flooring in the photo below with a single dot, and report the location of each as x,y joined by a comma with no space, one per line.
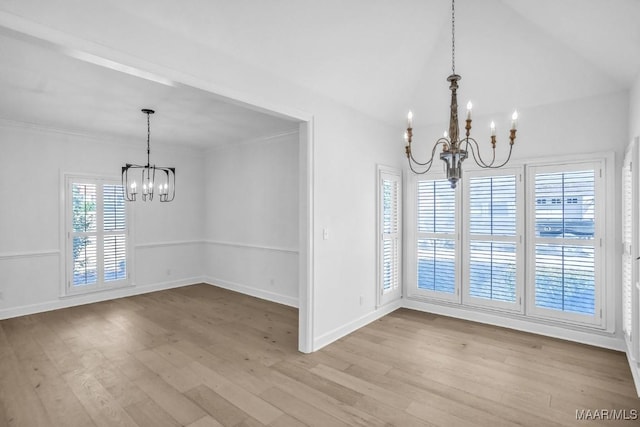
203,356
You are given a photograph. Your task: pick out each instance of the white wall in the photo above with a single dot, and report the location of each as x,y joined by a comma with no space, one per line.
251,225
634,110
580,127
167,239
348,148
346,145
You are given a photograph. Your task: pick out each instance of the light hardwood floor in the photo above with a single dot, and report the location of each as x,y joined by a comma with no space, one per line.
203,356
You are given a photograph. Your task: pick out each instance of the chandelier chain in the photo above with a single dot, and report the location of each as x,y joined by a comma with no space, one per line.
148,137
453,37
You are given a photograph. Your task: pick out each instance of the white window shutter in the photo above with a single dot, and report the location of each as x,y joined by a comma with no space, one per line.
630,263
389,235
436,238
566,247
97,235
115,236
492,253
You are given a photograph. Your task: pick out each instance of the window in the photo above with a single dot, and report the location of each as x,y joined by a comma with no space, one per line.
389,237
565,253
493,235
630,293
436,239
97,235
530,244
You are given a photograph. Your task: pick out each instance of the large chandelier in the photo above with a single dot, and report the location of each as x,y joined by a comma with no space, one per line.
456,150
153,179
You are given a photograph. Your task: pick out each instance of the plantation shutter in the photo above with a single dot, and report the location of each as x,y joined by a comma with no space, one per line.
627,262
98,235
436,243
84,234
565,249
115,239
630,292
390,235
491,253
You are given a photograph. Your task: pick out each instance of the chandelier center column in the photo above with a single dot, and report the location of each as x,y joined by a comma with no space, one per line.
454,130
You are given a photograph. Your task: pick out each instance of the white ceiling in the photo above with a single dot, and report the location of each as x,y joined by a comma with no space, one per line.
49,88
381,57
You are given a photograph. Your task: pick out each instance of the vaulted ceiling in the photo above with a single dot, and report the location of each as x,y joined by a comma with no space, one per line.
380,57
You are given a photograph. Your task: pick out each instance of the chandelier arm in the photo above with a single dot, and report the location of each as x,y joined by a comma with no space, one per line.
478,159
124,183
170,187
420,163
482,164
506,161
442,141
419,172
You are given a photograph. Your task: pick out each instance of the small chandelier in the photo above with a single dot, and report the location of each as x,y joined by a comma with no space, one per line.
455,150
154,179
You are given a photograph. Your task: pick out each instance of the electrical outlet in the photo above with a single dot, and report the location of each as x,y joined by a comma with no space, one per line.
361,299
168,272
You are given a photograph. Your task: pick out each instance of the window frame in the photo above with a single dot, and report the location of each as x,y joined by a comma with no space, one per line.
411,247
608,235
67,288
598,243
517,306
630,293
394,175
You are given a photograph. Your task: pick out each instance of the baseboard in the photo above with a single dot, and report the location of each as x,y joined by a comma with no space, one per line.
108,294
254,292
596,339
342,331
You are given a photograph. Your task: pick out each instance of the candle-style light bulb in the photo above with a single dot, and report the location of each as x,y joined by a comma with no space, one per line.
406,136
493,129
445,134
410,119
469,108
514,119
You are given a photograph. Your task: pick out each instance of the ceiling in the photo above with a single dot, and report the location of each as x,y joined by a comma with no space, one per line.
377,56
49,88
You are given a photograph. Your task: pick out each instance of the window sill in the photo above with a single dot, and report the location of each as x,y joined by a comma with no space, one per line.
95,290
